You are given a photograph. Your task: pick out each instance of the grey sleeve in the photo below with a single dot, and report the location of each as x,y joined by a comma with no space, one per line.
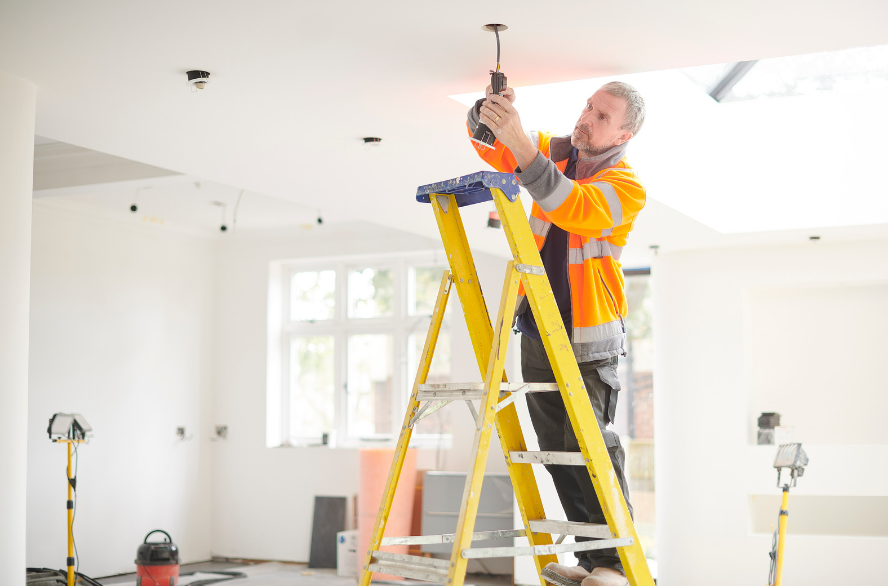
475,115
546,184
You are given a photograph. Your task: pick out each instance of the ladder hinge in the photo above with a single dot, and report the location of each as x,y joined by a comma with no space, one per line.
530,269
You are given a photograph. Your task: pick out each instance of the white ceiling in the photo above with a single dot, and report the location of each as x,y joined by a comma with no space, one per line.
184,204
296,85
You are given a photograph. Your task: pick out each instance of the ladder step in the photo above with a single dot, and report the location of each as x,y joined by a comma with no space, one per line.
560,458
510,552
449,537
554,527
474,391
409,566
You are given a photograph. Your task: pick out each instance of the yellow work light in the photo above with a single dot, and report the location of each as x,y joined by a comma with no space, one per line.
793,458
71,429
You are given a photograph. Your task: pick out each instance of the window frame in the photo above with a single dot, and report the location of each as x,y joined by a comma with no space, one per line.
282,330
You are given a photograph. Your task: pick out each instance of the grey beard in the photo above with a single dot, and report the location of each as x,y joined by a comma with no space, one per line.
587,150
590,151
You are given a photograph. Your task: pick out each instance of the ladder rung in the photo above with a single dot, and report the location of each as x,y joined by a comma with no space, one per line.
409,566
510,552
561,458
407,571
554,527
448,537
475,391
403,558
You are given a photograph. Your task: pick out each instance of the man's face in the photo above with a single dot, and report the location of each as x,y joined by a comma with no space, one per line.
599,127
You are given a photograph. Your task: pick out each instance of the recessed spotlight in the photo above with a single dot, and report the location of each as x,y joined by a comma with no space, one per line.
198,79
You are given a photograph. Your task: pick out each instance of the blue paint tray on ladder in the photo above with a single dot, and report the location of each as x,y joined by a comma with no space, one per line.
470,189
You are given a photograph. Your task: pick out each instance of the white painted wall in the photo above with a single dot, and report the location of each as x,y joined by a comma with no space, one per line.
264,496
17,111
794,328
122,332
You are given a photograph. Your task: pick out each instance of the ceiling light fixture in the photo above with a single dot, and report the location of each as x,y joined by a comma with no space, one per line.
197,79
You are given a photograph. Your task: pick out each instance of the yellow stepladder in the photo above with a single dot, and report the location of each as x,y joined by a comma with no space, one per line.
496,408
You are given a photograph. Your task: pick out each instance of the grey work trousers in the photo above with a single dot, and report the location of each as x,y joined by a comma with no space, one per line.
554,432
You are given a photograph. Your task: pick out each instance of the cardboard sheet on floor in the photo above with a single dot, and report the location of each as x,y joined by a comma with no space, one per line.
327,521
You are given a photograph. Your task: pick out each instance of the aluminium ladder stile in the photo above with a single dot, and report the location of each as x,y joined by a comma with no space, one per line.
496,409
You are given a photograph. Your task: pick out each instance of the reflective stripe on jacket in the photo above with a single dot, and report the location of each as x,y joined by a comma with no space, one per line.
598,210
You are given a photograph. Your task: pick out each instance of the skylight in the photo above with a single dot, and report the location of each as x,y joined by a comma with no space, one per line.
758,164
859,69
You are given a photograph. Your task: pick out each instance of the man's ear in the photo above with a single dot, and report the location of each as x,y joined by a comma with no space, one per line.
623,138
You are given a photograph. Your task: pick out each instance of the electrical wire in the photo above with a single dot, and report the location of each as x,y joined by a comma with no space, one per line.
156,583
234,218
496,32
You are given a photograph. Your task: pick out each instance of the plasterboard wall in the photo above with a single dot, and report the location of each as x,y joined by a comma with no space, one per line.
122,332
717,362
264,496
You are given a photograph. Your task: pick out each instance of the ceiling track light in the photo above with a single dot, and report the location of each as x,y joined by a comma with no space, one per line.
197,79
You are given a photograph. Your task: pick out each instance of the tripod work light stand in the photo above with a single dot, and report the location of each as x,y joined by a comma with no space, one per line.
792,457
71,429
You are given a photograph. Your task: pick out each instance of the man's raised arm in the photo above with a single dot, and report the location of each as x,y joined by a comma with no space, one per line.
499,157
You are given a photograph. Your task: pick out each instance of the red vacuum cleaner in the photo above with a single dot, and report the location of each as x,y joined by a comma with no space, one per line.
157,563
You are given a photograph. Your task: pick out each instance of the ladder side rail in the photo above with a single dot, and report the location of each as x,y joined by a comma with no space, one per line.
465,277
570,382
486,418
474,307
422,374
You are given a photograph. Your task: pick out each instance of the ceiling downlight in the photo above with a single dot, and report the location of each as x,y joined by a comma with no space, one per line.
197,79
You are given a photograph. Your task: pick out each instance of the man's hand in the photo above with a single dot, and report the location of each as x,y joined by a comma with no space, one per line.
508,93
500,116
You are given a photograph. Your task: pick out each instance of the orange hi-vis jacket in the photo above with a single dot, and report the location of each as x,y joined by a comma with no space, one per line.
598,211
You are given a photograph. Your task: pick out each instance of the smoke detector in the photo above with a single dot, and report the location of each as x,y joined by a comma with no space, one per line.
198,79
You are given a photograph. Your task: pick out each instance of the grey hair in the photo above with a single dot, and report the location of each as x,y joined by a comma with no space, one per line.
634,104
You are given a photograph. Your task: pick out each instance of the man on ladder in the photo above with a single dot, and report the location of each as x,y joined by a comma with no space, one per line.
586,198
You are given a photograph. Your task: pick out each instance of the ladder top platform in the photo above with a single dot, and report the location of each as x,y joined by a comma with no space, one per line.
471,189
